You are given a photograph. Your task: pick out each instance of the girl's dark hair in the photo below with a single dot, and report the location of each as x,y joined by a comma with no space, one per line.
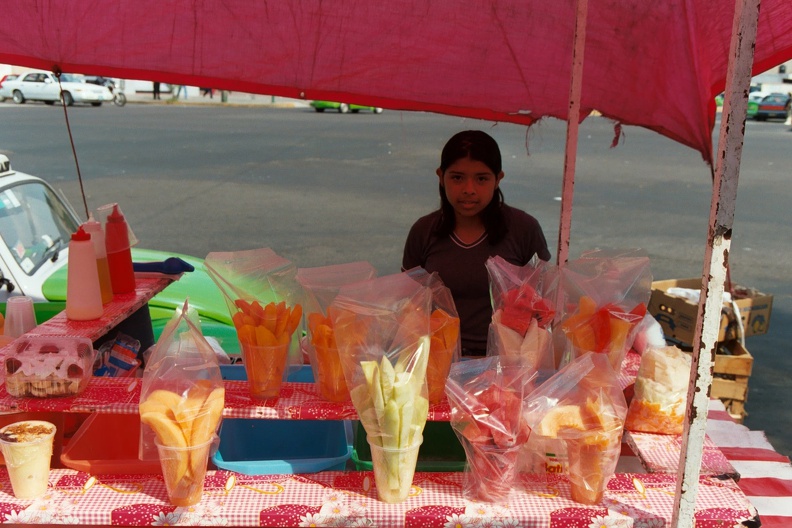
478,146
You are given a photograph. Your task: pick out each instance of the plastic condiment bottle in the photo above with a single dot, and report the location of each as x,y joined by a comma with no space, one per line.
119,252
94,228
83,294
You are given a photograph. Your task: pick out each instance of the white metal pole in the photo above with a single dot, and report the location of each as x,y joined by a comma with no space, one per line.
716,257
573,120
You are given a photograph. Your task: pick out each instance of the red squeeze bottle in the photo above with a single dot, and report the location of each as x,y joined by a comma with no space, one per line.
119,252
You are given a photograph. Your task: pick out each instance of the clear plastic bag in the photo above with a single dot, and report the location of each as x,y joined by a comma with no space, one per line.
321,285
382,332
583,406
486,399
659,402
265,300
445,348
182,395
523,312
604,295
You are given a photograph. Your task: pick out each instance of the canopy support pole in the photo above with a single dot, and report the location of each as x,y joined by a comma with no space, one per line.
716,257
573,123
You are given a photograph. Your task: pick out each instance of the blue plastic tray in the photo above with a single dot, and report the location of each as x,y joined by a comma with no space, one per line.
237,373
283,447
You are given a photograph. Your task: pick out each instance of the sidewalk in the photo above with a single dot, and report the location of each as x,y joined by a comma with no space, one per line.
194,97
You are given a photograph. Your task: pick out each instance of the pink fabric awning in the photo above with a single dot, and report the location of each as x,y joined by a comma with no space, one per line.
651,64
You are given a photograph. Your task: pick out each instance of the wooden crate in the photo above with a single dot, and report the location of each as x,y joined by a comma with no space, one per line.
733,366
736,409
731,372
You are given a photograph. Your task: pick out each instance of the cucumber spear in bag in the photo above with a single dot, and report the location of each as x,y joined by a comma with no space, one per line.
382,331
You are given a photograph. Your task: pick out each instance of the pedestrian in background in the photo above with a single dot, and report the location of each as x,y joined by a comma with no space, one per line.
179,91
156,90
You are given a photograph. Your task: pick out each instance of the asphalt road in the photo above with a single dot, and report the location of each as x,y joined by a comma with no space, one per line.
329,188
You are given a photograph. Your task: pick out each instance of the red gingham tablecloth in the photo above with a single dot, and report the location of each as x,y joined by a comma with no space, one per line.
350,499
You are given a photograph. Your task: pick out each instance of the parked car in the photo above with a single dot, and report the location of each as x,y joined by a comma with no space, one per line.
753,100
35,227
44,86
344,108
9,77
773,106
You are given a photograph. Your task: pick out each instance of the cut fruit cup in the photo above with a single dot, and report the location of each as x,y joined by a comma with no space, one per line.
394,469
329,375
493,471
592,461
264,366
184,469
437,371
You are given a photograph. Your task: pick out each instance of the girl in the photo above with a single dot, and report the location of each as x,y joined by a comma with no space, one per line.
472,224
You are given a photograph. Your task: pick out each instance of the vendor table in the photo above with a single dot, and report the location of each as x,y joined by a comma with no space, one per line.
633,498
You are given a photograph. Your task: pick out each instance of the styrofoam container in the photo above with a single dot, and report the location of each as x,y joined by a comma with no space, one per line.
44,366
108,444
283,447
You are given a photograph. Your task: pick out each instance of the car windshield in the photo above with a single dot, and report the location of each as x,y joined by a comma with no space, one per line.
70,77
34,224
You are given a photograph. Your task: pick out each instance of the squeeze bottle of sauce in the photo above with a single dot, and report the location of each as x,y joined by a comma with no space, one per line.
83,294
94,228
119,252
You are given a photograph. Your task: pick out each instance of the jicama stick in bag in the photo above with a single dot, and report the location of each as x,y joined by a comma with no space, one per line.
321,285
523,312
181,405
583,406
382,332
658,405
445,342
604,297
486,414
265,300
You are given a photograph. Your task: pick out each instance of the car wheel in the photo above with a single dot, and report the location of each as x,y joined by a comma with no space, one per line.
67,98
320,110
378,110
343,108
18,97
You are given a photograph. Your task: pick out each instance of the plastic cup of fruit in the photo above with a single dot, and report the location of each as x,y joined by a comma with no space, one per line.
437,372
264,366
27,449
394,469
329,375
184,469
493,471
592,461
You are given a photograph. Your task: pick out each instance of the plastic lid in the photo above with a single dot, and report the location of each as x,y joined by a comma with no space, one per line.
80,235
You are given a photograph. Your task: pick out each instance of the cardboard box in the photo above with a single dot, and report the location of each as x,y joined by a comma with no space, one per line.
677,315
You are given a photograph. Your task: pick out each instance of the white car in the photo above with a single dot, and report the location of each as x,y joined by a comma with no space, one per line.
36,225
44,86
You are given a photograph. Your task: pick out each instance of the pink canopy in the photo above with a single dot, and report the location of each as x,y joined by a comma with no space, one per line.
647,63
